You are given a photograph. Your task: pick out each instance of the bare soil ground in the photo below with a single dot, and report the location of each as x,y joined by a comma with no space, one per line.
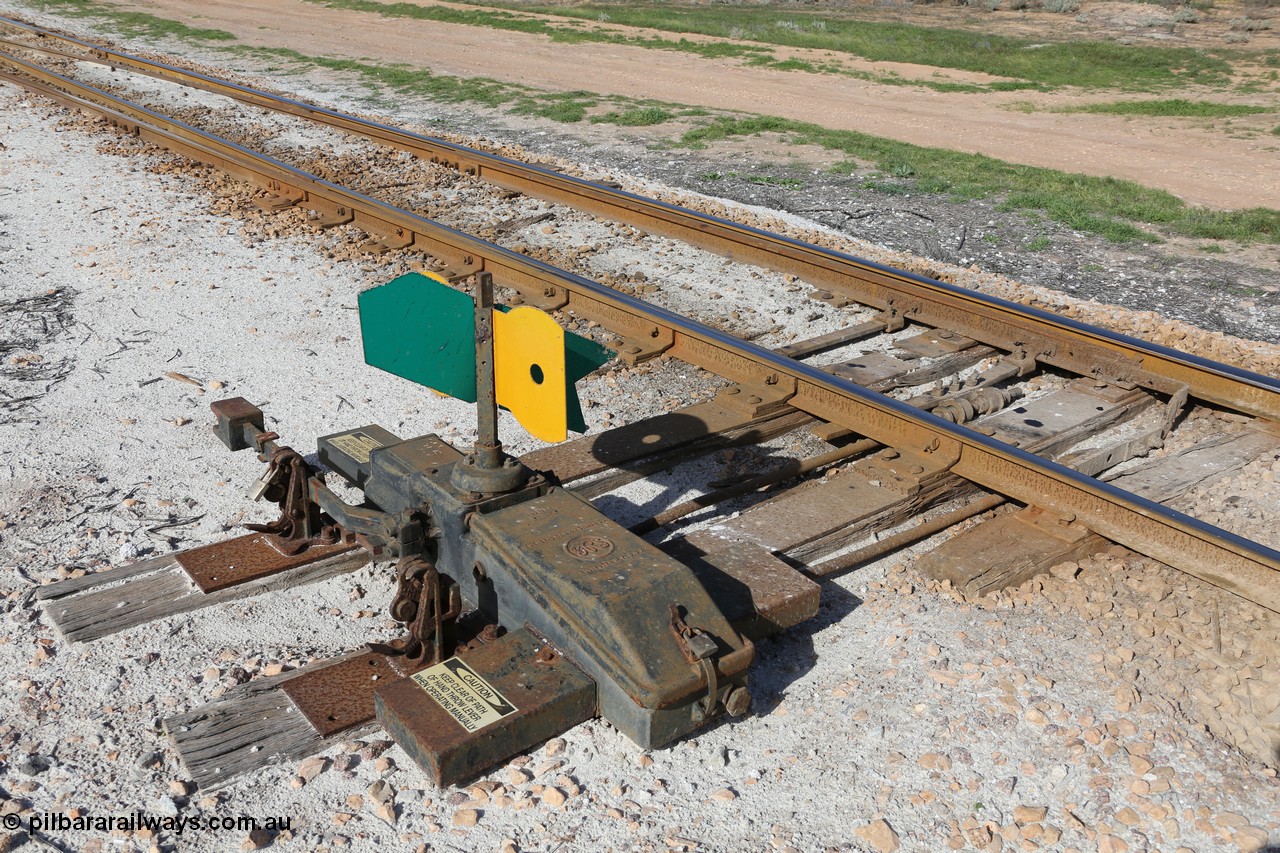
1197,162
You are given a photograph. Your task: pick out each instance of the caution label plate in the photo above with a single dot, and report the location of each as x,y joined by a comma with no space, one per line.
467,697
357,445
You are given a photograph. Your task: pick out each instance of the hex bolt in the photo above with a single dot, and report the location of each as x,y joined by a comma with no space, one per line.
738,702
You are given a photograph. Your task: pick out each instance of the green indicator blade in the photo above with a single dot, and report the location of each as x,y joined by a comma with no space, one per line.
422,330
581,356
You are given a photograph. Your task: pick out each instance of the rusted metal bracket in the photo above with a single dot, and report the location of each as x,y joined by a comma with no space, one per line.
395,238
1021,359
835,300
1173,410
124,127
551,299
300,523
756,400
281,196
934,343
340,216
633,350
905,473
893,319
428,603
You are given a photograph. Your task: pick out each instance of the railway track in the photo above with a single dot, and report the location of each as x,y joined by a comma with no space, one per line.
943,404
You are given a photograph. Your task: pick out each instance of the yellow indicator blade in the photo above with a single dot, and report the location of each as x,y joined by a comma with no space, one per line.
528,367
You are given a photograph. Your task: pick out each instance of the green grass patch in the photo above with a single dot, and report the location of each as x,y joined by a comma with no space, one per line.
1039,243
639,117
565,107
1115,209
1256,223
1173,107
480,90
1077,63
135,24
785,64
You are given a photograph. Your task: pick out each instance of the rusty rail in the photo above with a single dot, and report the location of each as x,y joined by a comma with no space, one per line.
1215,555
1064,343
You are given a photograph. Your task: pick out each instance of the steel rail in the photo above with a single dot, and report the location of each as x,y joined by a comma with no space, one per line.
1062,342
1217,556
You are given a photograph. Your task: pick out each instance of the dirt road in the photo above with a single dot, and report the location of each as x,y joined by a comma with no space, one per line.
1200,164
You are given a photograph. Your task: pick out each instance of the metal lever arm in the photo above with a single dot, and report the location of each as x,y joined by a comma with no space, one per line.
403,534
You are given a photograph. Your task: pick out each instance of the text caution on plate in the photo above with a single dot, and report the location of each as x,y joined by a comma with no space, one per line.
466,696
357,445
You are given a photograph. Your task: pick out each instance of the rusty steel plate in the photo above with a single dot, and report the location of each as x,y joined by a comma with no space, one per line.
247,558
340,696
934,343
870,368
467,713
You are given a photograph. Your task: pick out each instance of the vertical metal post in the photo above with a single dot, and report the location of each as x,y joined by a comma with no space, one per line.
488,449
